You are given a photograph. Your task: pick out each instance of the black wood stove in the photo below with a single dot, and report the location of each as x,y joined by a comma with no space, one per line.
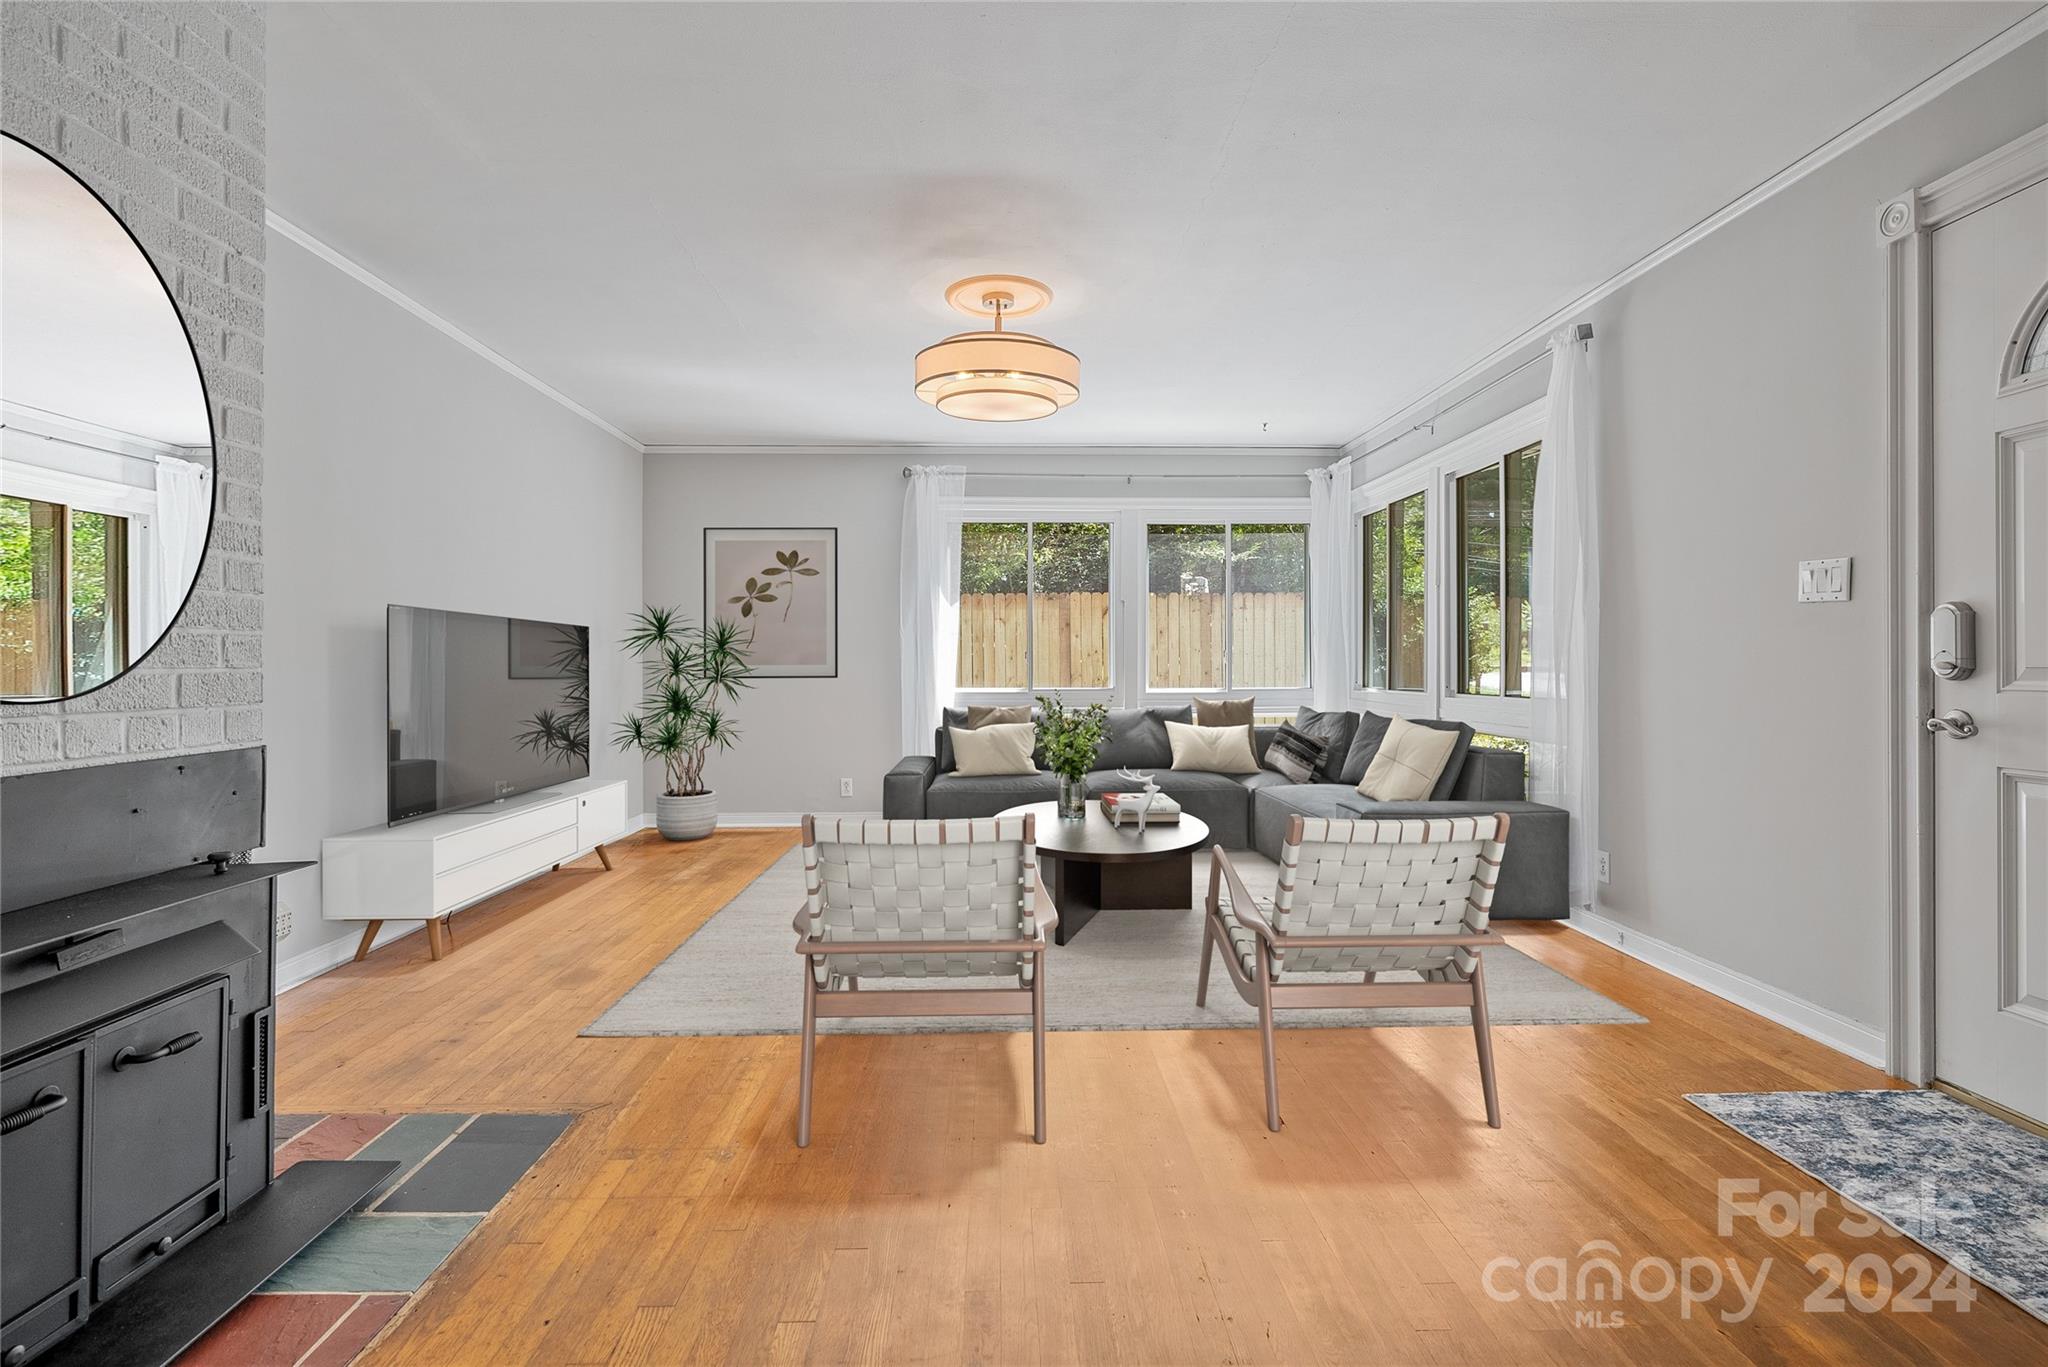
137,990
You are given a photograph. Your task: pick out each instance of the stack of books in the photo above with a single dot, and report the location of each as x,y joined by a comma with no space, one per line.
1163,809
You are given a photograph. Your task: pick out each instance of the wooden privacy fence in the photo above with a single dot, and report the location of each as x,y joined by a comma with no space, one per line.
22,624
1070,632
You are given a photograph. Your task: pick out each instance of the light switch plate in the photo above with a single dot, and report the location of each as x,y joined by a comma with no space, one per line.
1824,581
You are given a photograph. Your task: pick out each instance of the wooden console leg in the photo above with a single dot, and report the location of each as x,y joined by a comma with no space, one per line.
604,857
369,938
436,939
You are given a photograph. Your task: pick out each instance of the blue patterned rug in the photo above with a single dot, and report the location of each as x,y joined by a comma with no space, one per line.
1971,1188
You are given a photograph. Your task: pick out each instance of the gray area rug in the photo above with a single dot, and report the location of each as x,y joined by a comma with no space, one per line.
1968,1186
1126,970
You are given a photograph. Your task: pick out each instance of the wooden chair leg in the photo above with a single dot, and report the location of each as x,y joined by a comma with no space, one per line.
1038,1051
1208,951
369,939
437,944
604,857
1264,965
803,1102
1481,1031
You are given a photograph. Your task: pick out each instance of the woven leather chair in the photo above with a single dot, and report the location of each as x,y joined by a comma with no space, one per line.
945,901
1368,897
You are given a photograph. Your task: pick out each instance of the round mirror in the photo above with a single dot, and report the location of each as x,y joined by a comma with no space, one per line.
106,453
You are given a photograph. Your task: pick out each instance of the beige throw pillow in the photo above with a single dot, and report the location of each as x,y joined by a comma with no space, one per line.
979,716
1000,749
1223,711
1212,749
1409,760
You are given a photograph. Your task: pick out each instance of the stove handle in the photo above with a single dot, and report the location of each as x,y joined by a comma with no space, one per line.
129,1056
49,1100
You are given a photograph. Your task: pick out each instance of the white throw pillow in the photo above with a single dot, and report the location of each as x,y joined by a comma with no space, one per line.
1409,761
1212,749
1001,749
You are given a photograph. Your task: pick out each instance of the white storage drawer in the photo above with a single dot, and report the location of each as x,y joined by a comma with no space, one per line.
600,815
494,871
457,848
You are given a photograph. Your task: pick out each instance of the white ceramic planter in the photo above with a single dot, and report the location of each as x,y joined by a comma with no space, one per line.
686,818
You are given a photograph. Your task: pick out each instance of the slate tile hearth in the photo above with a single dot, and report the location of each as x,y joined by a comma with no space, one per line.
479,1165
328,1304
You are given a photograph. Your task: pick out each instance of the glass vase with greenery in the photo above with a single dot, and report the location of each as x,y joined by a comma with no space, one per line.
1070,737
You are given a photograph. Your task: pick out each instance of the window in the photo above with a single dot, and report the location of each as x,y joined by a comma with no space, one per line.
1496,507
1444,569
1226,605
63,598
1034,605
1396,618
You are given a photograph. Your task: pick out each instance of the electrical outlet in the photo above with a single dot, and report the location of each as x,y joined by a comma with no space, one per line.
1605,871
284,919
846,787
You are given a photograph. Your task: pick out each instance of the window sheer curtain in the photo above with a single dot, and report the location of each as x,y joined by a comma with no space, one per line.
1332,576
184,506
929,619
1564,608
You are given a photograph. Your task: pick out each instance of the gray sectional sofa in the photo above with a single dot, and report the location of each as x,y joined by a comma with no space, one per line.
1251,811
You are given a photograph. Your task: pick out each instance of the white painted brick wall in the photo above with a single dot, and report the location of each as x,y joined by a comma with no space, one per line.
159,107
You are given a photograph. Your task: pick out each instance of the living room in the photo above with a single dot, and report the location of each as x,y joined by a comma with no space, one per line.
1022,682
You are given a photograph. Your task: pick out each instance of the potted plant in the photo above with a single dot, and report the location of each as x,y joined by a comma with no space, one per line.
1070,738
688,671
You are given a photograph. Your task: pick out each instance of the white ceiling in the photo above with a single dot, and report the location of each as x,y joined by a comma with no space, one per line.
1263,223
87,331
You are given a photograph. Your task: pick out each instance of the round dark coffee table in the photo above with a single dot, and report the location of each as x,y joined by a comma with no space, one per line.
1090,865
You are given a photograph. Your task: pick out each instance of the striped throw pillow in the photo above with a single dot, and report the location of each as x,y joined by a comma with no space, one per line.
1295,756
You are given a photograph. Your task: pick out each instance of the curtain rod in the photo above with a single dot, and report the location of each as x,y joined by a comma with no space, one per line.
1582,333
1026,474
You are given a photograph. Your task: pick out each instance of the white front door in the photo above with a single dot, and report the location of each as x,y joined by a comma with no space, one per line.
1990,501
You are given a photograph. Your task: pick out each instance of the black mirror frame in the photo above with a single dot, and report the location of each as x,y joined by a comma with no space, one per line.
212,435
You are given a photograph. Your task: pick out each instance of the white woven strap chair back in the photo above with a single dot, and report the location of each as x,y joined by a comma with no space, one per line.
926,900
1366,898
935,882
1413,877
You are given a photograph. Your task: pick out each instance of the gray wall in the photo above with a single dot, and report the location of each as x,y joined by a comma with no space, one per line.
1741,394
801,736
160,110
415,472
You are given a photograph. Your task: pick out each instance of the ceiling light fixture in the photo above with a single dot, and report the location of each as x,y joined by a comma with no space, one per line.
998,376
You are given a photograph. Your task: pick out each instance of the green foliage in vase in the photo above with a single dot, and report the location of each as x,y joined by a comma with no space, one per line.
1070,736
688,672
562,732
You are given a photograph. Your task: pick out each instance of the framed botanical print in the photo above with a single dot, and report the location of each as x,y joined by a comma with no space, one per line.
781,585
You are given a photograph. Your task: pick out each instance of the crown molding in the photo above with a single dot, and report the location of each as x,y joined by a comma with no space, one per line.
1955,73
363,275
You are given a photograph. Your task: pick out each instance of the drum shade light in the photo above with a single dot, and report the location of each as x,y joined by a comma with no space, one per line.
993,375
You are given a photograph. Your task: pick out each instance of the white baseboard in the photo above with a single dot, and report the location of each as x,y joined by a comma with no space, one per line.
301,969
1838,1032
751,820
745,821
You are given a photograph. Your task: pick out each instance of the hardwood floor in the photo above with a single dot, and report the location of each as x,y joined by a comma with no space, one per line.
677,1221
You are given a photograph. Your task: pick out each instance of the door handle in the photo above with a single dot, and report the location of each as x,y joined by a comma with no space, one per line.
131,1056
1956,722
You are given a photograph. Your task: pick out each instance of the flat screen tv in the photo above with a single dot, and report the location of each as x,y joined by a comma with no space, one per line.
480,708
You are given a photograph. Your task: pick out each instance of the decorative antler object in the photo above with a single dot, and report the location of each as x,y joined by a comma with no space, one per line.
1151,787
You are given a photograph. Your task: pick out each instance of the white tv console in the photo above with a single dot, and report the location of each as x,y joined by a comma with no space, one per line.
426,870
